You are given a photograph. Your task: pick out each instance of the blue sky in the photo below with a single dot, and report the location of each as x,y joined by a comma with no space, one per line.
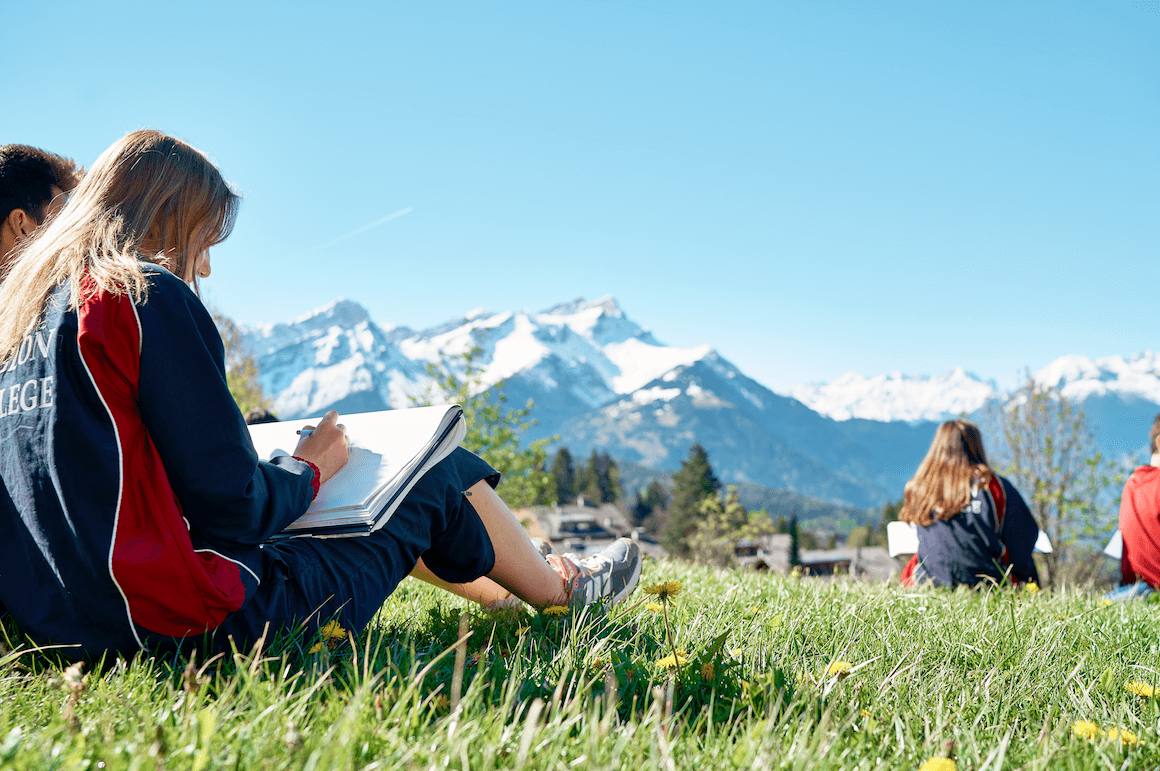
811,187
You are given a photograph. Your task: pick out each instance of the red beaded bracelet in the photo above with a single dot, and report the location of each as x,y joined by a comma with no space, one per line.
317,475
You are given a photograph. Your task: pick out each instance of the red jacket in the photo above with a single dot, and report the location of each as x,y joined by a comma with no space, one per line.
1140,527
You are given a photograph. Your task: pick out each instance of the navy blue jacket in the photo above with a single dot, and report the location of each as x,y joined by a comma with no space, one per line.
133,502
994,531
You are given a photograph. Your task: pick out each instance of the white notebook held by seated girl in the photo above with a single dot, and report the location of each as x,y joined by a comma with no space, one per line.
902,538
390,451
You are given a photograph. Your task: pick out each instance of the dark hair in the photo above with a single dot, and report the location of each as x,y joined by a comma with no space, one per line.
27,177
1153,434
260,415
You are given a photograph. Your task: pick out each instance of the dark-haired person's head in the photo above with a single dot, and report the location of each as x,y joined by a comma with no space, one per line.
32,187
260,415
1154,436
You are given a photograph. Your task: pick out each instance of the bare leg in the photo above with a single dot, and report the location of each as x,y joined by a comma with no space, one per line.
519,567
482,590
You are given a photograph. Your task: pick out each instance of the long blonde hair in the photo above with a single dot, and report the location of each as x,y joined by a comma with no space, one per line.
149,197
955,463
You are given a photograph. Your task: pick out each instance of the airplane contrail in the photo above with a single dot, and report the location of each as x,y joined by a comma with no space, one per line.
365,228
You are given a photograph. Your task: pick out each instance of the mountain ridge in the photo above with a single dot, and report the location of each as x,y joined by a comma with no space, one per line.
601,381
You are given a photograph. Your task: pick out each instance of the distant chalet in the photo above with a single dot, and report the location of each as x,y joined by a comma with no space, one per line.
772,553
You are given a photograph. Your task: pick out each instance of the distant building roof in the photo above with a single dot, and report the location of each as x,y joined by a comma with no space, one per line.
872,563
768,552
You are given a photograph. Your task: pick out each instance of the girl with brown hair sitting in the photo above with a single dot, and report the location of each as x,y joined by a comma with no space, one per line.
973,526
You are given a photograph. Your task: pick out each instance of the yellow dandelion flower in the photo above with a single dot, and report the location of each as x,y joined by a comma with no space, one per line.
1031,587
316,648
1086,729
1105,602
1140,689
839,668
1125,738
735,652
555,610
332,630
867,713
664,591
655,607
669,662
708,671
938,764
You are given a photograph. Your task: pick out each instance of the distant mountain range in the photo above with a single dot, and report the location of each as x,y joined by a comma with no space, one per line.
1121,396
601,381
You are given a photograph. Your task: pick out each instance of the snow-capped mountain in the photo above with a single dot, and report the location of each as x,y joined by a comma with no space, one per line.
902,397
897,396
1079,377
601,381
576,355
1119,395
598,380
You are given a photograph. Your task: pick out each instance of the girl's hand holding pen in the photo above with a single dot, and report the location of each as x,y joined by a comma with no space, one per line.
324,445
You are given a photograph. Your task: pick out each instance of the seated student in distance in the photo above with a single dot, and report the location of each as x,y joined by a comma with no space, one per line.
33,184
973,526
1140,526
135,511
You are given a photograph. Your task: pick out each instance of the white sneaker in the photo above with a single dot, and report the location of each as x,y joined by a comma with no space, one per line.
610,575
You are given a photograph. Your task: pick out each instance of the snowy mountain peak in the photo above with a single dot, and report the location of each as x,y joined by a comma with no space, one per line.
266,338
591,349
606,304
896,396
342,311
1079,377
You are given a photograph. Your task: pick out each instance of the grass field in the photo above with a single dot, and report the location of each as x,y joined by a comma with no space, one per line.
777,673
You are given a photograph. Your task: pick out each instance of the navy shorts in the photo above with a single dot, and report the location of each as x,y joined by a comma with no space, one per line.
307,582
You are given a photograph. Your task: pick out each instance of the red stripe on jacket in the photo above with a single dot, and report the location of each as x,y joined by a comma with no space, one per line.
999,503
170,589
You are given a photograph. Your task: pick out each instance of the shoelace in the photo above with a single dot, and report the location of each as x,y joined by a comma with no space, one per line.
573,571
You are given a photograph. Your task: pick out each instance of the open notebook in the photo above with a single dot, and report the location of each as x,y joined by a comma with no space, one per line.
389,452
902,538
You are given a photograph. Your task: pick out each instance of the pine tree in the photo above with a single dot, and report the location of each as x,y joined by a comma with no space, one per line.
656,496
600,479
564,476
692,484
648,508
608,478
794,555
639,511
589,483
